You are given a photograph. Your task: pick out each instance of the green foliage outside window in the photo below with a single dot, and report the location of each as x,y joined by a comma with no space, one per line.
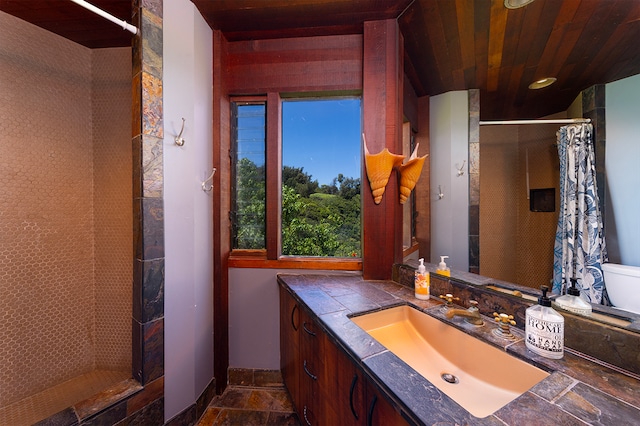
325,222
317,220
250,205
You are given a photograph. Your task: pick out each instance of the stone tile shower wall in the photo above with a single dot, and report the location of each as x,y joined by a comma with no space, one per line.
53,241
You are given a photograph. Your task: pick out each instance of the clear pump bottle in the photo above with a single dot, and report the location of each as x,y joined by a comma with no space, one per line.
443,269
544,328
572,302
421,282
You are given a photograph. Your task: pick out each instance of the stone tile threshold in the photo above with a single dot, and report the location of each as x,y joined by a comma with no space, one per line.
253,397
248,405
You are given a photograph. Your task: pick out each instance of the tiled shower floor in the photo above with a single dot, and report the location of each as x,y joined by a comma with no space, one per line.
50,401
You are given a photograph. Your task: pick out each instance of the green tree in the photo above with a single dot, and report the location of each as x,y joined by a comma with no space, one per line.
349,188
296,178
315,221
249,221
301,235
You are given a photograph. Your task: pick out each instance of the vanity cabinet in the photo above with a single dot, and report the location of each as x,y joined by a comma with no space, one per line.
358,401
289,344
326,386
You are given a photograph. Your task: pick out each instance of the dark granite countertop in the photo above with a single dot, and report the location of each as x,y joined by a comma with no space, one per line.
578,390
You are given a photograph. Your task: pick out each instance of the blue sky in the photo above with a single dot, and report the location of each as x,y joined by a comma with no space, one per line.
323,137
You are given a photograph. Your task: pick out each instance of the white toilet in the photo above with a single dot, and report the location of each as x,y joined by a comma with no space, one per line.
623,286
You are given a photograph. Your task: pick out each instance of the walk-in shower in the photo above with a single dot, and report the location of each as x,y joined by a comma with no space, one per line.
65,221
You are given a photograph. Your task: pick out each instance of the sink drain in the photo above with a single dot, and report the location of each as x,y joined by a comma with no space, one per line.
449,378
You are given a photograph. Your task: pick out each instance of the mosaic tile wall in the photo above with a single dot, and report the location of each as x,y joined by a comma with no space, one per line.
111,106
537,230
498,215
47,293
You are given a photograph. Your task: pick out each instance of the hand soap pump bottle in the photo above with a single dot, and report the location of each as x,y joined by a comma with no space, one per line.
443,269
421,282
544,328
572,301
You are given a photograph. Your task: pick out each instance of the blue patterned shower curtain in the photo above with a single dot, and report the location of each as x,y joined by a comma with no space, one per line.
579,248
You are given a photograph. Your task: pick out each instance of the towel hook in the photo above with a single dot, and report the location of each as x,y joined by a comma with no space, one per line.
179,141
460,171
210,178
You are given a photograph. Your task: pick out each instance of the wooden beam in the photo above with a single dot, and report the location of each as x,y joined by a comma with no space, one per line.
274,182
382,119
221,226
306,64
422,190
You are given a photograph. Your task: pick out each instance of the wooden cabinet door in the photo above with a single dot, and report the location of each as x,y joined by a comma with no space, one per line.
380,412
316,377
326,387
349,390
289,345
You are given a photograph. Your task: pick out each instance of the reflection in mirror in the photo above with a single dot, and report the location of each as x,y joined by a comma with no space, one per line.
516,245
608,315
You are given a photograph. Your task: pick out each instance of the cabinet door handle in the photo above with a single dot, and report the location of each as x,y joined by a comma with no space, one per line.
304,325
353,386
304,365
304,413
293,311
371,407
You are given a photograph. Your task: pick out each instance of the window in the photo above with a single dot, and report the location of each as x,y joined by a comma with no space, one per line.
321,178
321,166
248,175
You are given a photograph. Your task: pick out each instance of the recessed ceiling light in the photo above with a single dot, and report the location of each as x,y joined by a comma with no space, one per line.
543,82
516,4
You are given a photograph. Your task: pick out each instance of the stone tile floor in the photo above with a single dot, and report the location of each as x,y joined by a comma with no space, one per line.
251,405
252,397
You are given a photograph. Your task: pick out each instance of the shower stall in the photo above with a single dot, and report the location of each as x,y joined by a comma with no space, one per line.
516,238
65,221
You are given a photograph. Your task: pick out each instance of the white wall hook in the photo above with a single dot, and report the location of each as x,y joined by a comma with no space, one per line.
440,193
210,178
460,171
179,141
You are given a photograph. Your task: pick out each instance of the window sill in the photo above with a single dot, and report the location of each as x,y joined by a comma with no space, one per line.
258,259
408,250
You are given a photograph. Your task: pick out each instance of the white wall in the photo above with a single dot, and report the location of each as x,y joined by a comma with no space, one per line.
622,160
254,316
449,139
187,92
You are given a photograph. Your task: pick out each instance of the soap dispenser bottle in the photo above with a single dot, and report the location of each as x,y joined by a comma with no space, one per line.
421,282
443,269
572,301
544,328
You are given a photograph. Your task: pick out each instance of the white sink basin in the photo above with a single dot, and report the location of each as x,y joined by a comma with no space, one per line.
479,377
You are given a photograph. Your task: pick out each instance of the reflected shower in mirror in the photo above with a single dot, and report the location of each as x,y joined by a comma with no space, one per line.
516,241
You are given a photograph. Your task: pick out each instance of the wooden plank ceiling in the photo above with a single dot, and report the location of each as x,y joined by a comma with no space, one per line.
449,44
73,22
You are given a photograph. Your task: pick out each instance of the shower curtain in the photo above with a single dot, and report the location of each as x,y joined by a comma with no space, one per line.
579,248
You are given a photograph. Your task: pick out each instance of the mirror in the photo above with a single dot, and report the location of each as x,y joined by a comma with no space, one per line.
516,241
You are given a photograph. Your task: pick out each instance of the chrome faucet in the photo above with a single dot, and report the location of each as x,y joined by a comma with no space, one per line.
471,315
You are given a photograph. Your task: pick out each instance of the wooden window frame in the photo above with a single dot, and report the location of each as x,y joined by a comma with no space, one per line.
271,256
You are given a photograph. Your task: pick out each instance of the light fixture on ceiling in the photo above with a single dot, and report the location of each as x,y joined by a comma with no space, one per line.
516,4
543,82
